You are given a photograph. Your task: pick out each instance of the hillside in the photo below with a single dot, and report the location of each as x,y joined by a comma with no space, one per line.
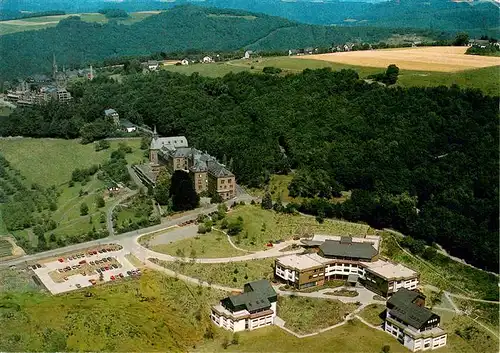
476,16
421,160
75,42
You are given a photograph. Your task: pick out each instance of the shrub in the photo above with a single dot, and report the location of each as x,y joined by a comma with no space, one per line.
202,229
223,224
84,209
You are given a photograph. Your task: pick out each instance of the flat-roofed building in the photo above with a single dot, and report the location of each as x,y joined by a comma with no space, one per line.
415,326
345,259
386,278
252,309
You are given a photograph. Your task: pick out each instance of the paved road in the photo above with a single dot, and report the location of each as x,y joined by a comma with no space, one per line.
117,238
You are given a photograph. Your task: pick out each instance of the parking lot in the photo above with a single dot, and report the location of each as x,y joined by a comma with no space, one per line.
85,268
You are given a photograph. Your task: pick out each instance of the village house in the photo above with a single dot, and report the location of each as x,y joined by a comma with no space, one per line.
112,115
252,309
184,62
152,65
340,257
207,174
207,60
248,54
415,326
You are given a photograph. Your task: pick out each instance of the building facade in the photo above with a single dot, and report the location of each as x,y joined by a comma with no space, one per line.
207,174
354,259
413,325
252,309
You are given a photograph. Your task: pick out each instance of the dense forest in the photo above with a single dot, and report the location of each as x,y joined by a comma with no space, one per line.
75,42
478,17
421,160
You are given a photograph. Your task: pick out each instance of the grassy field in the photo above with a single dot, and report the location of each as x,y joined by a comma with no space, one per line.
34,23
306,315
372,314
487,313
445,273
233,274
443,59
261,226
51,161
213,244
153,313
353,337
486,79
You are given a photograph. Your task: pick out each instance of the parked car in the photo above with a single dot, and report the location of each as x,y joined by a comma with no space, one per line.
65,278
82,262
78,285
107,268
269,245
60,260
60,270
129,273
98,270
114,265
38,266
109,249
112,278
121,275
103,269
33,267
104,250
110,258
92,263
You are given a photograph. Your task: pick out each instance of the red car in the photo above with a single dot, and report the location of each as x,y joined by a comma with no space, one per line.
112,278
269,245
60,260
107,268
121,275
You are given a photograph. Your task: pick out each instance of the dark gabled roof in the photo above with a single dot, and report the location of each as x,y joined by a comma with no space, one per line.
250,300
261,286
182,152
257,295
336,248
218,170
402,306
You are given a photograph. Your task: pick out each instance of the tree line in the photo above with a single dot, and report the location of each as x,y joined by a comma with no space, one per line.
421,160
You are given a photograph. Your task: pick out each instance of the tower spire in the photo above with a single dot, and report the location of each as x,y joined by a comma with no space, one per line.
54,66
155,134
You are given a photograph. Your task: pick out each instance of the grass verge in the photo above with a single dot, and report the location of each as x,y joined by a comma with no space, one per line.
373,314
209,245
233,274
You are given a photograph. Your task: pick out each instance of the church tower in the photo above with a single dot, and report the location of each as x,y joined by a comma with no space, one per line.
153,149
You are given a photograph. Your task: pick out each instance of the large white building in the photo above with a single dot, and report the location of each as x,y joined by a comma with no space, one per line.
252,309
354,259
415,326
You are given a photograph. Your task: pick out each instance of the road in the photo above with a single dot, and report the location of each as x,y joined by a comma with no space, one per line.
118,238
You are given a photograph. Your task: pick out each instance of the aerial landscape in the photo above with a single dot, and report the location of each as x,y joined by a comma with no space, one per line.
249,176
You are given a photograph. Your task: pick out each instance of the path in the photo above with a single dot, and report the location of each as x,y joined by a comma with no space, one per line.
109,213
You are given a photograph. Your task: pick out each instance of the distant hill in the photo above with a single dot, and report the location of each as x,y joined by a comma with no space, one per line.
475,16
75,42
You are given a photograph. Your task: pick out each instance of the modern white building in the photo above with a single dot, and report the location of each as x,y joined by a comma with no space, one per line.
252,309
347,258
415,326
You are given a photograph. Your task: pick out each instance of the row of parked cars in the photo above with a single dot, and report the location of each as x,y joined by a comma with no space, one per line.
187,223
89,253
118,276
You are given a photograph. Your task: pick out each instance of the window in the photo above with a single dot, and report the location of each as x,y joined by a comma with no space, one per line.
229,181
222,181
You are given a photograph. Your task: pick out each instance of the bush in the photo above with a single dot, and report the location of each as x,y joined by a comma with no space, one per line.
386,348
100,202
270,70
202,229
234,228
223,224
267,202
84,209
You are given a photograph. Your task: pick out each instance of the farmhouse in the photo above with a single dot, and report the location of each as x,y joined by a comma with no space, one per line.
184,62
207,174
207,60
415,326
252,309
353,259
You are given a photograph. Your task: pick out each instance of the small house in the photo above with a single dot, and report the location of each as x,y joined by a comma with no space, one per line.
128,126
112,115
248,54
152,65
207,60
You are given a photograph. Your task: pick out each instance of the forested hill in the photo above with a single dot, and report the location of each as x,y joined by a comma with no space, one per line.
75,42
421,160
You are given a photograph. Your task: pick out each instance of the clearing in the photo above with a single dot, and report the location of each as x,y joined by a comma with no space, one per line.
444,59
306,315
374,314
34,23
232,274
209,245
262,226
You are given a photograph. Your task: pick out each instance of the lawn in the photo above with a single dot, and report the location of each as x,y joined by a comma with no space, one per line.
486,79
153,313
232,274
213,244
261,226
51,161
444,272
353,337
372,313
13,280
306,315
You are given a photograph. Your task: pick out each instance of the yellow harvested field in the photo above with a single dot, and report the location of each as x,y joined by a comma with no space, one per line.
444,59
